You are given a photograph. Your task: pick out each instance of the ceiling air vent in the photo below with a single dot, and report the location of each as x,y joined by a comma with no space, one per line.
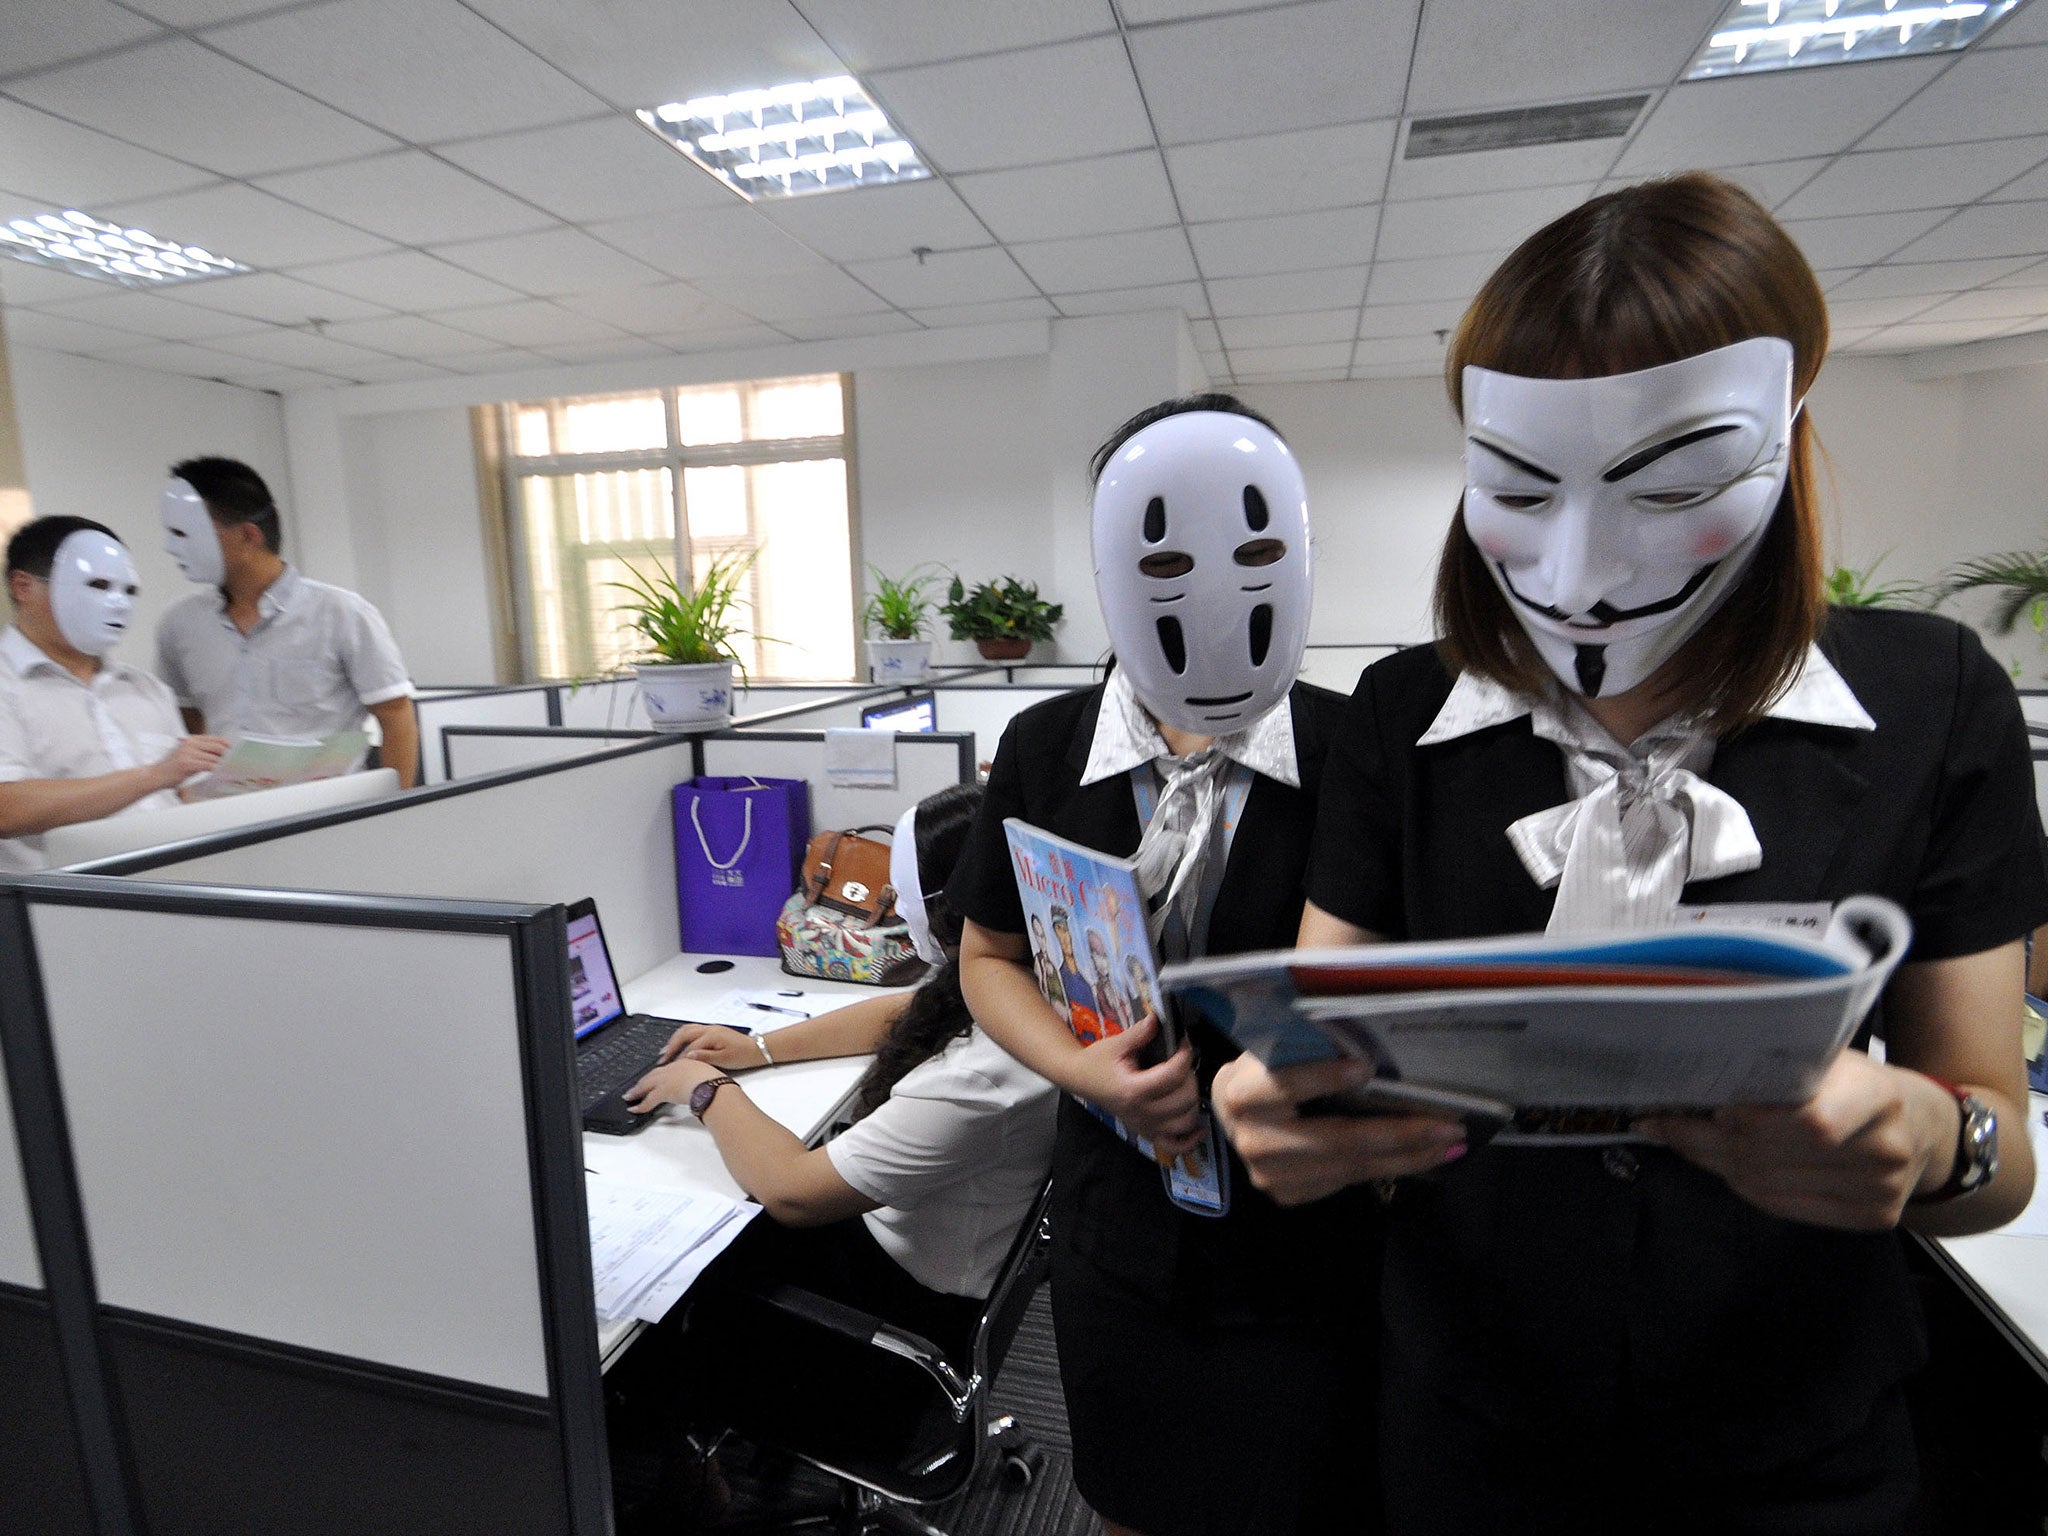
1470,132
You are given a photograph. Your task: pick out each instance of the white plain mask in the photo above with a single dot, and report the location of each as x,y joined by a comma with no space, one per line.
909,884
92,591
190,536
1617,513
1201,540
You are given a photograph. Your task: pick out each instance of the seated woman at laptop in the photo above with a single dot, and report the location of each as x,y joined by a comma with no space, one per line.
909,1211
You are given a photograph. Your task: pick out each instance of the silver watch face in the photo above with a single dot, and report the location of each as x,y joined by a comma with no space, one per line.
1979,1149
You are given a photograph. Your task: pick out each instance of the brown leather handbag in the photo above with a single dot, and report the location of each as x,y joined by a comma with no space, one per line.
850,873
842,923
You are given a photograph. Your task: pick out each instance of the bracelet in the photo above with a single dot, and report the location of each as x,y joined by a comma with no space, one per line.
762,1041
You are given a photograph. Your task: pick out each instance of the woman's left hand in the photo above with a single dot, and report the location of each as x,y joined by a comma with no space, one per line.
1851,1156
670,1084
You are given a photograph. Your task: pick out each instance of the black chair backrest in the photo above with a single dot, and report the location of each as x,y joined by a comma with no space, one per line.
1022,1268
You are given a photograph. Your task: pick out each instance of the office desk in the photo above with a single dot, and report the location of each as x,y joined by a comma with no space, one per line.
678,1153
2006,1273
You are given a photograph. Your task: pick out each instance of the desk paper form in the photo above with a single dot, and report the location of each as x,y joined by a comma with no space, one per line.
647,1245
763,1009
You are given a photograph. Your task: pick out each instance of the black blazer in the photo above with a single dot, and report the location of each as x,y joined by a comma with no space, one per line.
1108,1204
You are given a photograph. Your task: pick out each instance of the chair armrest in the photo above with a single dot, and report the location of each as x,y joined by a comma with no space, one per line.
866,1328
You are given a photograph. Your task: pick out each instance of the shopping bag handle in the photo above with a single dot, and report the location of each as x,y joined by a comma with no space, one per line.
746,834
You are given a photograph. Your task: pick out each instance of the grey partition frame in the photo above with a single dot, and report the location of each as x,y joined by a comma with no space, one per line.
138,1485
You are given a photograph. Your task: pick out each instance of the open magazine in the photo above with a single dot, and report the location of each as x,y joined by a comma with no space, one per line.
1093,961
267,762
1565,1037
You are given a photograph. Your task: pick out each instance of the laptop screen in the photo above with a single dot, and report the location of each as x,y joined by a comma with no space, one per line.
919,712
593,989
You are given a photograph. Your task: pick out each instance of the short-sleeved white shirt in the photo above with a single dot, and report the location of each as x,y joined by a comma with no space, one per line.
52,726
317,658
956,1156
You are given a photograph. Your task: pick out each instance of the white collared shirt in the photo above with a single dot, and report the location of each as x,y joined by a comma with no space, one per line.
1126,738
317,658
52,726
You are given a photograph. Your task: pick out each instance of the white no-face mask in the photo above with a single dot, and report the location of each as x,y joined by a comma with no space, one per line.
1202,567
1617,513
190,536
92,591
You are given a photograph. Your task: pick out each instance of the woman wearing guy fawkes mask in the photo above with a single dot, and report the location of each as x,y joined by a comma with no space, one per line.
1640,707
1212,1365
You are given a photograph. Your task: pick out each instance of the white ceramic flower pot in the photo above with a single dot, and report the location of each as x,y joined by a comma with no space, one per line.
687,698
899,661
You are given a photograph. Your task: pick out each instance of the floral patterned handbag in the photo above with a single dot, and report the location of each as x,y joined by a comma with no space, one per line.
841,923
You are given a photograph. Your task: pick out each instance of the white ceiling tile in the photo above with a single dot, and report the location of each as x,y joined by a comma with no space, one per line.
1104,196
1420,369
408,280
1249,247
25,282
843,327
282,381
1188,298
71,167
1209,339
35,34
1853,314
1331,288
735,339
733,238
1293,376
1916,337
1991,95
773,296
1989,229
1303,66
1992,304
235,220
1315,325
646,52
1851,340
203,13
295,349
1881,181
1410,319
1770,183
180,357
1862,238
2024,275
551,261
945,277
2024,189
1063,102
1092,262
871,222
1498,170
609,350
280,300
886,34
1438,277
393,370
1904,279
170,95
409,197
1138,13
1282,172
62,333
654,311
1745,119
1271,360
1459,226
998,313
1472,55
421,69
153,314
407,336
607,168
2028,24
529,323
1374,352
506,360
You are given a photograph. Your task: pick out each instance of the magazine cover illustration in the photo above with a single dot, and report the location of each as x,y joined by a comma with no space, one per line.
1093,962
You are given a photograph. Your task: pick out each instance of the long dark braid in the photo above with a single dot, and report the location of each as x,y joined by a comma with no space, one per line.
937,1012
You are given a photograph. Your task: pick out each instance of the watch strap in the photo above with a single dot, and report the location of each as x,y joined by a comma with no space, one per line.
1976,1155
702,1095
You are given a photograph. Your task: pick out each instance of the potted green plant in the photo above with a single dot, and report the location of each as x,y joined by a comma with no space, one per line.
686,669
2020,580
1001,617
1848,587
896,615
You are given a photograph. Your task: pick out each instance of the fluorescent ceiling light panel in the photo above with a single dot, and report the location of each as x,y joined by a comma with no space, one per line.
790,140
80,244
1756,35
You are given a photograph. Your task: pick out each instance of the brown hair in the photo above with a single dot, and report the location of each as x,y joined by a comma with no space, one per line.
1649,275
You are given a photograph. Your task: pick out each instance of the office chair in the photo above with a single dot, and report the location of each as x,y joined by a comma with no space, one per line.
922,1458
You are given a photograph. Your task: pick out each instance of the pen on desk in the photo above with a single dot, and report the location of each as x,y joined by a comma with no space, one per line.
794,1013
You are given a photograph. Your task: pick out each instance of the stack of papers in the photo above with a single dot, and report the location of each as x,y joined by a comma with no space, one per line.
648,1246
267,762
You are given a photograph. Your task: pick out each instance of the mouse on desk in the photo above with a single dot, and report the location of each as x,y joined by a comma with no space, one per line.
712,967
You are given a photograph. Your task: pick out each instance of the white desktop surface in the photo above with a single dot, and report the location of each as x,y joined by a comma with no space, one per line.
2006,1272
676,1152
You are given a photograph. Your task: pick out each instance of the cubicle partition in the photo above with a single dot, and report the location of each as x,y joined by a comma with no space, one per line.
305,1172
530,705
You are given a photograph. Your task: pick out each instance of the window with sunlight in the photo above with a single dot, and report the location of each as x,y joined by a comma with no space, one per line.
673,479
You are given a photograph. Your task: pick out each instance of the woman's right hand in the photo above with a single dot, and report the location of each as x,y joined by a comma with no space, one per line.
1159,1103
1297,1158
722,1047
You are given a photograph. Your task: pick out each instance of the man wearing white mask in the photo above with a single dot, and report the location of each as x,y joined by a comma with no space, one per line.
266,651
81,735
1212,1365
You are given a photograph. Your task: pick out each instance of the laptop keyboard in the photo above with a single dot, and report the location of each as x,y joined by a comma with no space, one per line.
614,1059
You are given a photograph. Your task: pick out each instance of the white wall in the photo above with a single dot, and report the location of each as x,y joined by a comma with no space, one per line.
99,439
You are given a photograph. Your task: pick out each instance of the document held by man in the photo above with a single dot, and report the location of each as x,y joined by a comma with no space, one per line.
1565,1036
270,762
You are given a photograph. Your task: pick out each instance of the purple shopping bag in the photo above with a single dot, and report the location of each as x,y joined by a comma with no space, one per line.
739,847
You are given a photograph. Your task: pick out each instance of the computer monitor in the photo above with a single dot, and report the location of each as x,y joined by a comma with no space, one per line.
919,712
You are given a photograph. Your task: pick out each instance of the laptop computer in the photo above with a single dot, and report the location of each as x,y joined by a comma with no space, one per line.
614,1048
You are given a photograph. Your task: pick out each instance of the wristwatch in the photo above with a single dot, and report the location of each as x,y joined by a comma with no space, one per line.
702,1095
1976,1148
